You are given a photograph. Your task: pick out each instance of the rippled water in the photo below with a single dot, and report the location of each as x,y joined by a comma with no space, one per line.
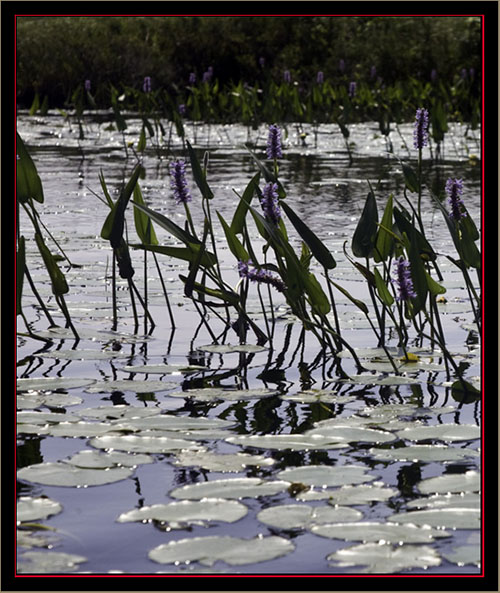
328,192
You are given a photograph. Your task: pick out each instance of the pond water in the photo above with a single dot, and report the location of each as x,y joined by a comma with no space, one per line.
316,475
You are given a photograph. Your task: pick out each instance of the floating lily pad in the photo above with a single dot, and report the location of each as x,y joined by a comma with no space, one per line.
350,434
310,396
212,393
163,368
118,412
48,562
463,500
229,462
323,475
385,558
463,555
302,516
129,385
230,488
368,353
294,442
424,453
142,444
442,432
62,333
98,460
179,515
232,550
45,418
381,380
27,539
470,481
454,518
228,348
79,429
376,532
353,495
168,422
64,474
53,400
32,429
81,354
51,383
33,509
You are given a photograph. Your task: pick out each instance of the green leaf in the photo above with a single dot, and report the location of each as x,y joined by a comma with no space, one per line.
168,225
383,292
268,176
188,254
105,190
143,224
434,287
233,242
229,297
405,226
238,221
35,105
384,242
122,254
410,177
20,269
353,300
417,274
58,281
463,392
28,183
363,239
141,145
317,247
188,288
198,175
317,298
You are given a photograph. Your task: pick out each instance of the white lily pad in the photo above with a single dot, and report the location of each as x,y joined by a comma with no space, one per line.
229,462
63,474
27,539
212,393
373,531
129,385
454,518
463,555
384,366
33,509
82,354
228,348
51,383
351,434
470,481
368,352
310,396
175,423
230,488
464,500
45,418
53,400
302,516
142,444
324,475
424,453
293,442
353,495
442,432
96,459
385,558
62,333
164,369
118,412
48,562
363,379
179,515
79,429
232,550
32,429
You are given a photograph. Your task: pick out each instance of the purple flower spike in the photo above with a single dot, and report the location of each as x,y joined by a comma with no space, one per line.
320,78
146,85
182,109
420,131
273,150
178,182
352,89
287,76
403,279
262,62
87,86
192,78
260,275
269,202
454,189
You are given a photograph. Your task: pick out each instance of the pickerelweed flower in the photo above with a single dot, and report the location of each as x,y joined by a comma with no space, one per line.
178,182
403,279
260,275
146,85
434,75
421,129
262,62
352,89
454,189
320,78
287,77
463,74
87,85
192,78
269,202
273,150
207,76
182,109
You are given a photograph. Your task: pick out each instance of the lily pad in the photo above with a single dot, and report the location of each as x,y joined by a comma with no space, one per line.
63,474
464,500
351,434
33,509
442,432
163,368
129,385
79,429
229,462
212,393
45,418
51,383
179,515
385,558
322,475
294,442
386,532
98,460
310,396
353,495
302,516
82,354
362,379
423,453
454,518
470,481
53,400
142,444
232,550
48,562
168,422
27,539
117,412
228,348
463,555
230,488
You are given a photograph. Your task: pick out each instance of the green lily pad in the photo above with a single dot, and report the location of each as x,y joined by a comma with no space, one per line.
470,481
463,500
164,368
322,475
45,418
454,518
79,429
142,444
51,383
228,348
176,423
63,474
212,393
310,396
179,515
463,555
129,385
48,562
302,516
294,442
98,460
81,354
385,558
442,432
230,488
351,434
53,400
424,453
229,462
352,495
232,550
33,509
373,531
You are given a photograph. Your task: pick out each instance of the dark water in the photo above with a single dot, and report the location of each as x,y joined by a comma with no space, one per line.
328,192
